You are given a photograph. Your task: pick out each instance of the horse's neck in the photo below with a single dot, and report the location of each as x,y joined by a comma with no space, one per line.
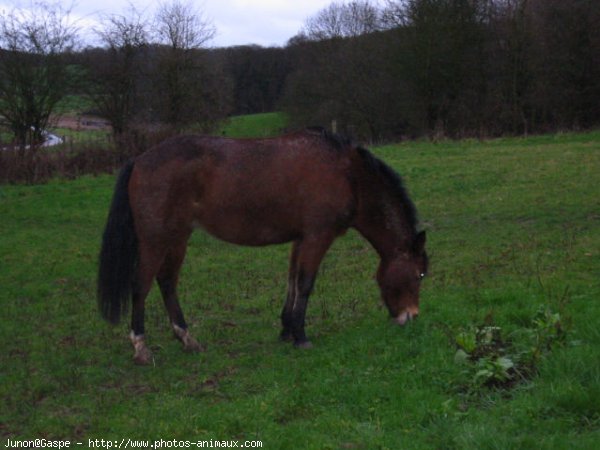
380,220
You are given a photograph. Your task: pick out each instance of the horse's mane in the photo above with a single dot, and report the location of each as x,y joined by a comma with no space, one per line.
394,183
377,167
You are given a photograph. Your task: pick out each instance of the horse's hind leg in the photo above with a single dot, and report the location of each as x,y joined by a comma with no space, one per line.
167,278
149,262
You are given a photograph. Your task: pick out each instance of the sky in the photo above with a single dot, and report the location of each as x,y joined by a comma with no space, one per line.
238,22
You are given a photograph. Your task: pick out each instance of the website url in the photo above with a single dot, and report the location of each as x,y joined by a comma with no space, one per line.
131,443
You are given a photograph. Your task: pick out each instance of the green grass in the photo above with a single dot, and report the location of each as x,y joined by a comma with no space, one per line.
255,125
75,104
513,225
252,126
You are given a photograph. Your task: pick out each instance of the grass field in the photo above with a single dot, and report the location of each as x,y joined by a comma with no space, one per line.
255,125
513,226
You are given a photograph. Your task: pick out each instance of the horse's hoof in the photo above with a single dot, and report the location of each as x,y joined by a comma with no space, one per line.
286,336
143,356
303,344
191,345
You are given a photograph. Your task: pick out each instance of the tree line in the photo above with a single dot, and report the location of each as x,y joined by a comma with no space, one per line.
449,67
377,71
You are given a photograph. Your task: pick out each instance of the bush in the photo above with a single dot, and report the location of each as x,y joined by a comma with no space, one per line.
71,160
492,359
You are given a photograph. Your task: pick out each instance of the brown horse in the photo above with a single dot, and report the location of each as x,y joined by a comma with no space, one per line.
306,188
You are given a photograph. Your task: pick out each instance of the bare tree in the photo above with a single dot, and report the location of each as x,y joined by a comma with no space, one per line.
181,26
114,71
396,14
340,20
182,30
33,75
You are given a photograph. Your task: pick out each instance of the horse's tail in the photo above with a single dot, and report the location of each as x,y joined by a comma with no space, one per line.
119,253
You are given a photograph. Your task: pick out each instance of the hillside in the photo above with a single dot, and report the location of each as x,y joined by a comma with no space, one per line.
514,233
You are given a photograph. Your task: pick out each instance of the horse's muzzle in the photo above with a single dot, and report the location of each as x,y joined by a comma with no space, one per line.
407,315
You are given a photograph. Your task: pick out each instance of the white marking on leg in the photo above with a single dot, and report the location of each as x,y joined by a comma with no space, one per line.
179,332
189,343
142,354
137,340
402,318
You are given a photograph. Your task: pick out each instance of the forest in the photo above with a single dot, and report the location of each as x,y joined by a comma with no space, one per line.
377,72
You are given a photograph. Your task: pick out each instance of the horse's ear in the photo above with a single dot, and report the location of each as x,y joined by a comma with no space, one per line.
419,244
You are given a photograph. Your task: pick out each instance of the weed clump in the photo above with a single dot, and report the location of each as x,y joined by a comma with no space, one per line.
494,359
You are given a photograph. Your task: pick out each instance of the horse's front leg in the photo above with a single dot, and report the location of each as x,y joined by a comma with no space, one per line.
307,257
304,286
286,313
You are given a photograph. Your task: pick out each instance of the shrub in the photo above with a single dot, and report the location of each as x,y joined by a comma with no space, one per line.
492,359
71,160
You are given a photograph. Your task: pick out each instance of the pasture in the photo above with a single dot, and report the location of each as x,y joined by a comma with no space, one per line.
254,125
513,228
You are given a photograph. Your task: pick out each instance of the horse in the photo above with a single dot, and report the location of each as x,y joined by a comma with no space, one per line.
307,187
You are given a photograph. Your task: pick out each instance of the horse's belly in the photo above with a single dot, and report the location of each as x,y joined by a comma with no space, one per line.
251,209
243,228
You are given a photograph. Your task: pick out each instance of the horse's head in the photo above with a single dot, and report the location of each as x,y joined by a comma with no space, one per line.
400,280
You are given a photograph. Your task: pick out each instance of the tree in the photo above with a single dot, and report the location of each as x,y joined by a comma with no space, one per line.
336,64
114,71
442,52
182,31
33,75
566,36
258,75
343,20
